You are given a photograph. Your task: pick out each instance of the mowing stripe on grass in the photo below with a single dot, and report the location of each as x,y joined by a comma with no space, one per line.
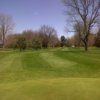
55,61
10,62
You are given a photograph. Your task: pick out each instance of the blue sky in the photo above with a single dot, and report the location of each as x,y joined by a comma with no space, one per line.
31,14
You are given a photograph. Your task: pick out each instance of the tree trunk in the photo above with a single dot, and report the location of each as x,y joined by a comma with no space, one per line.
85,41
86,46
3,40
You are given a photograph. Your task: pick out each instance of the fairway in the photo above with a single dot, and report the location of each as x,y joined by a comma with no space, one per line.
50,74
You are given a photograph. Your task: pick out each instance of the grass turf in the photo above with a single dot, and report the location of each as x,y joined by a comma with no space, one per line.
53,74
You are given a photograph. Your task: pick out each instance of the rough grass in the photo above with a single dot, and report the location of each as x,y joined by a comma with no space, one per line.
54,74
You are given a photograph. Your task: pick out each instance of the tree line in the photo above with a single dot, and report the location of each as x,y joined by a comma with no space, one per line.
84,16
45,37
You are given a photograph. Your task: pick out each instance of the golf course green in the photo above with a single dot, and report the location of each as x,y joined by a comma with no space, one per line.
50,74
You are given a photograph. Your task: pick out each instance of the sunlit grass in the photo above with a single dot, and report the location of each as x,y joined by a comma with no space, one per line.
53,74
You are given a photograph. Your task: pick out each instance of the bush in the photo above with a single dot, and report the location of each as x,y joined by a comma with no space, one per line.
21,43
36,43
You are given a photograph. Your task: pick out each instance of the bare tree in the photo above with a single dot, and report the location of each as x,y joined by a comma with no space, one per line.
85,11
48,35
78,27
6,25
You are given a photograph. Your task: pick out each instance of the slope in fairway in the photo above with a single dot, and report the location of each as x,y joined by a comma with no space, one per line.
57,74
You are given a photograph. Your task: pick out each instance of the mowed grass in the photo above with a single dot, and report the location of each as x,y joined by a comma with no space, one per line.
53,74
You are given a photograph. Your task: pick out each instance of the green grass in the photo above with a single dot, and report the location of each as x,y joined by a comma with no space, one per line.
53,74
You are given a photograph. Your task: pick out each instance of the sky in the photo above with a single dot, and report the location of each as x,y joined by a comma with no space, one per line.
32,14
